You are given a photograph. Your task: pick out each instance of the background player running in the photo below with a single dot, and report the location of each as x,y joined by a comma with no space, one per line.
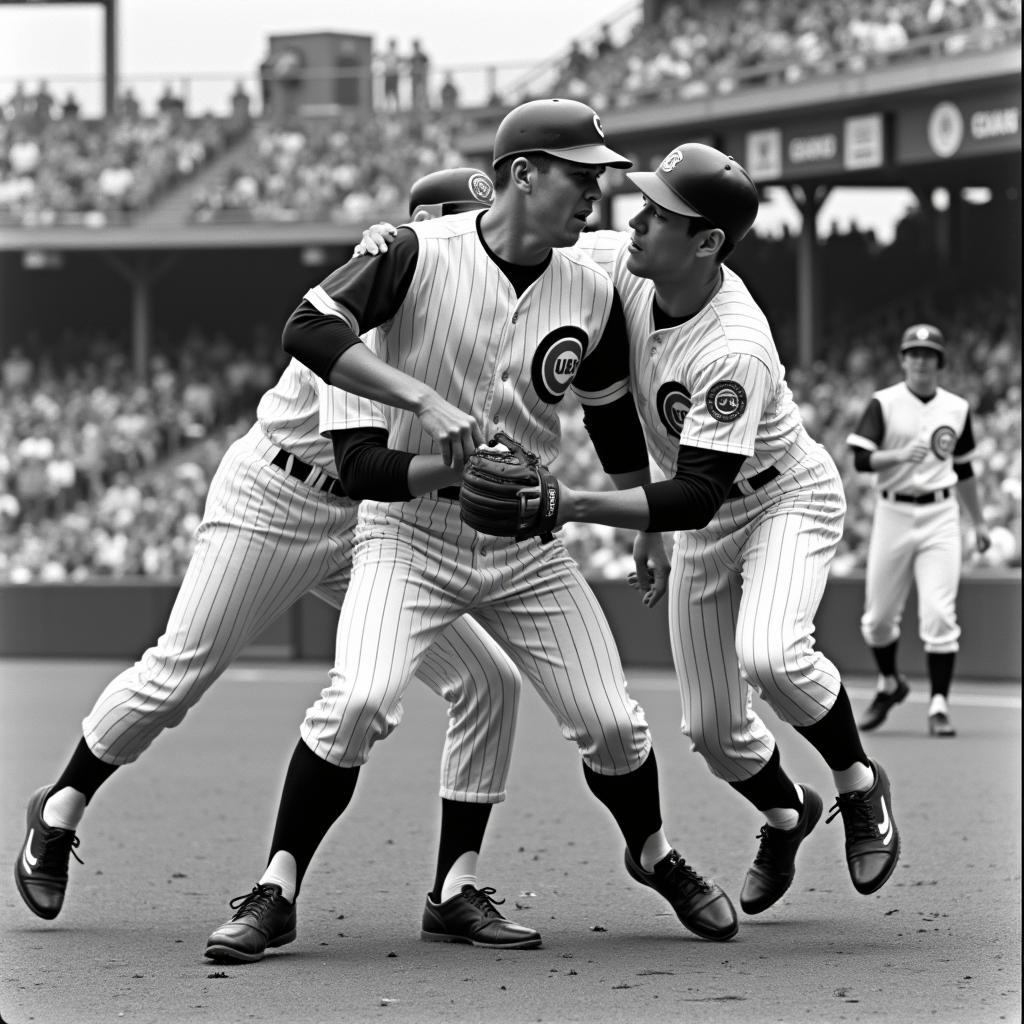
917,438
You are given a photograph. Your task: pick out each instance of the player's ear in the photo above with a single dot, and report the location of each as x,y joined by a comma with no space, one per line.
522,173
711,243
421,214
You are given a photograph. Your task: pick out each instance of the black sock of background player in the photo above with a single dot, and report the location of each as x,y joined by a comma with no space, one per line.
84,772
885,658
633,800
770,787
940,672
314,795
462,829
836,737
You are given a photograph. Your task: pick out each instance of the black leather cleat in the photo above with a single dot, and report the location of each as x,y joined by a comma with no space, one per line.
879,708
263,918
774,865
41,871
872,838
940,725
472,918
699,904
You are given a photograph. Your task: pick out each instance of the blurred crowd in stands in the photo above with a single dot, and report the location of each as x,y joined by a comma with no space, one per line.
696,49
104,475
58,168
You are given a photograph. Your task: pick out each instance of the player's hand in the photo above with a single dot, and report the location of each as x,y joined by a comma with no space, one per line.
652,568
375,239
982,539
456,432
916,452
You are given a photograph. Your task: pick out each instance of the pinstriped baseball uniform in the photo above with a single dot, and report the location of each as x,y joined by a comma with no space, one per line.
909,540
506,360
268,537
744,590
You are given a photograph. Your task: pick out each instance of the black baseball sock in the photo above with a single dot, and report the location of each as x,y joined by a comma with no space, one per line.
462,830
84,772
314,796
940,672
835,737
633,800
770,787
885,658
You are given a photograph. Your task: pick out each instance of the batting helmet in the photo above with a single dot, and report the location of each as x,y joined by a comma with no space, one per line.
451,191
924,336
566,129
695,180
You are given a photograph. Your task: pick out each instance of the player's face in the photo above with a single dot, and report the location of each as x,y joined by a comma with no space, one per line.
921,369
562,199
662,247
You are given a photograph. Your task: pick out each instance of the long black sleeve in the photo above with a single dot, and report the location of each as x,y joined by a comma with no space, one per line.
691,498
617,435
367,468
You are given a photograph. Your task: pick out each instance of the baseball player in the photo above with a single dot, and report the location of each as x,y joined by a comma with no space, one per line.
917,438
756,507
278,525
482,321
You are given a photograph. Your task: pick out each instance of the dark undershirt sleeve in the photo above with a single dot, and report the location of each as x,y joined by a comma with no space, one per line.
617,435
368,291
861,460
367,468
964,444
691,498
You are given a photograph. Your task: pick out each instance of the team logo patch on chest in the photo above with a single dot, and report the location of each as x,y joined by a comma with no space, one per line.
673,404
943,442
556,361
726,401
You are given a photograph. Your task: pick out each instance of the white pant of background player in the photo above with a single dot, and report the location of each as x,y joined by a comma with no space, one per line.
919,544
266,540
743,594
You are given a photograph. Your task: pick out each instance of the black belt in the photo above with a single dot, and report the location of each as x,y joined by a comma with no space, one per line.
753,482
449,493
919,499
294,466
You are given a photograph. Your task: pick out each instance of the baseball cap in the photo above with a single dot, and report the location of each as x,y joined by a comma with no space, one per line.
454,190
923,336
695,180
566,129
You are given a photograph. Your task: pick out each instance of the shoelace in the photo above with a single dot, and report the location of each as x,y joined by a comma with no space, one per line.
682,874
256,903
481,899
54,858
765,856
858,816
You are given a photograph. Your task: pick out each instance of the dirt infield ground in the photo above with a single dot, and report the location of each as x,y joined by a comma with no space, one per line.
169,840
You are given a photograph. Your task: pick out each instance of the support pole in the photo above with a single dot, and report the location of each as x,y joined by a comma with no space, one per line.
110,58
141,274
809,201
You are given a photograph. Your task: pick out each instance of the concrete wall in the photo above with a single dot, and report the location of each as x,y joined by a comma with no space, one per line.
120,619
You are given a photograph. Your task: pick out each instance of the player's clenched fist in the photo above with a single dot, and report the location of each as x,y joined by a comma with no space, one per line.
455,431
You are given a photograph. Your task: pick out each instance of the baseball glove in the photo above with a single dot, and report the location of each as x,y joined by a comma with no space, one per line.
507,492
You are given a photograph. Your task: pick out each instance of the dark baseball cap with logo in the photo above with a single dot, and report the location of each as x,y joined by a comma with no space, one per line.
566,129
926,336
695,180
454,190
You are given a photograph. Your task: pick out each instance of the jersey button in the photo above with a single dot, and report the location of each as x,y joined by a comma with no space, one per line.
504,376
497,419
515,318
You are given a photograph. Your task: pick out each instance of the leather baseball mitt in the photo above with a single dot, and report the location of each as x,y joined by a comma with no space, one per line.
507,491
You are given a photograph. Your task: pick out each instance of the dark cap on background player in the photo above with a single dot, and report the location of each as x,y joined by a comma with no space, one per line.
695,180
454,190
566,129
926,336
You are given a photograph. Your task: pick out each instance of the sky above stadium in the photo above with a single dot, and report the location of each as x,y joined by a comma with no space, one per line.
207,46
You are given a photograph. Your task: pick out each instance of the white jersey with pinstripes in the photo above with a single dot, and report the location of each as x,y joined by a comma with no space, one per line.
504,344
743,591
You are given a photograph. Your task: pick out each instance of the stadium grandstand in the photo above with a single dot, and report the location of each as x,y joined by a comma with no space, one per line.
179,240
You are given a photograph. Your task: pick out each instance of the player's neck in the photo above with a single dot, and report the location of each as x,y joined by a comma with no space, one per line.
509,237
924,392
685,299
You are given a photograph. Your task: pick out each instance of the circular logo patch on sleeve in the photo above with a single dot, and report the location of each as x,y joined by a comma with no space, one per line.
726,401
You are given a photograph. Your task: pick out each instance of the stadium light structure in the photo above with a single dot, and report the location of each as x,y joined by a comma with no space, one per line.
110,57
